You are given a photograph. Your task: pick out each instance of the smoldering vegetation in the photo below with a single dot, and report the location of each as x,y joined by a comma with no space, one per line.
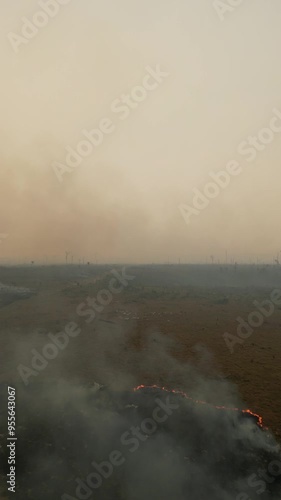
68,426
196,451
105,440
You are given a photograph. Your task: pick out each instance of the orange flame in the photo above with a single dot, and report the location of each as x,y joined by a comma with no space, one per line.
198,401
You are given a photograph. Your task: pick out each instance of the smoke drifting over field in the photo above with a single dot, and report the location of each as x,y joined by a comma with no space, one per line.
84,441
122,202
96,443
168,95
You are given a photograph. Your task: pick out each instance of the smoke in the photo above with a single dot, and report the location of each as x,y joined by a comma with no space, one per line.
122,202
95,437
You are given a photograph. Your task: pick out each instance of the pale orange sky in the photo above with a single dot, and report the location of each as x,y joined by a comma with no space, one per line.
122,202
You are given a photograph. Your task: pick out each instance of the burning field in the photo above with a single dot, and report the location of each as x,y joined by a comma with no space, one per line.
93,442
140,252
145,401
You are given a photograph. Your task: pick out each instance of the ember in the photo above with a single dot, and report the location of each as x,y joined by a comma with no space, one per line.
184,447
247,412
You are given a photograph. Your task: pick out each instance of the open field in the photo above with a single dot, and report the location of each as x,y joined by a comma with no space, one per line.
159,300
165,326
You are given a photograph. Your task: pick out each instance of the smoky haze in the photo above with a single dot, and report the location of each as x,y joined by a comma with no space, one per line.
122,202
197,452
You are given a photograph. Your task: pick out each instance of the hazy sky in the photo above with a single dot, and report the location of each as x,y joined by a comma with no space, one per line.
122,202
